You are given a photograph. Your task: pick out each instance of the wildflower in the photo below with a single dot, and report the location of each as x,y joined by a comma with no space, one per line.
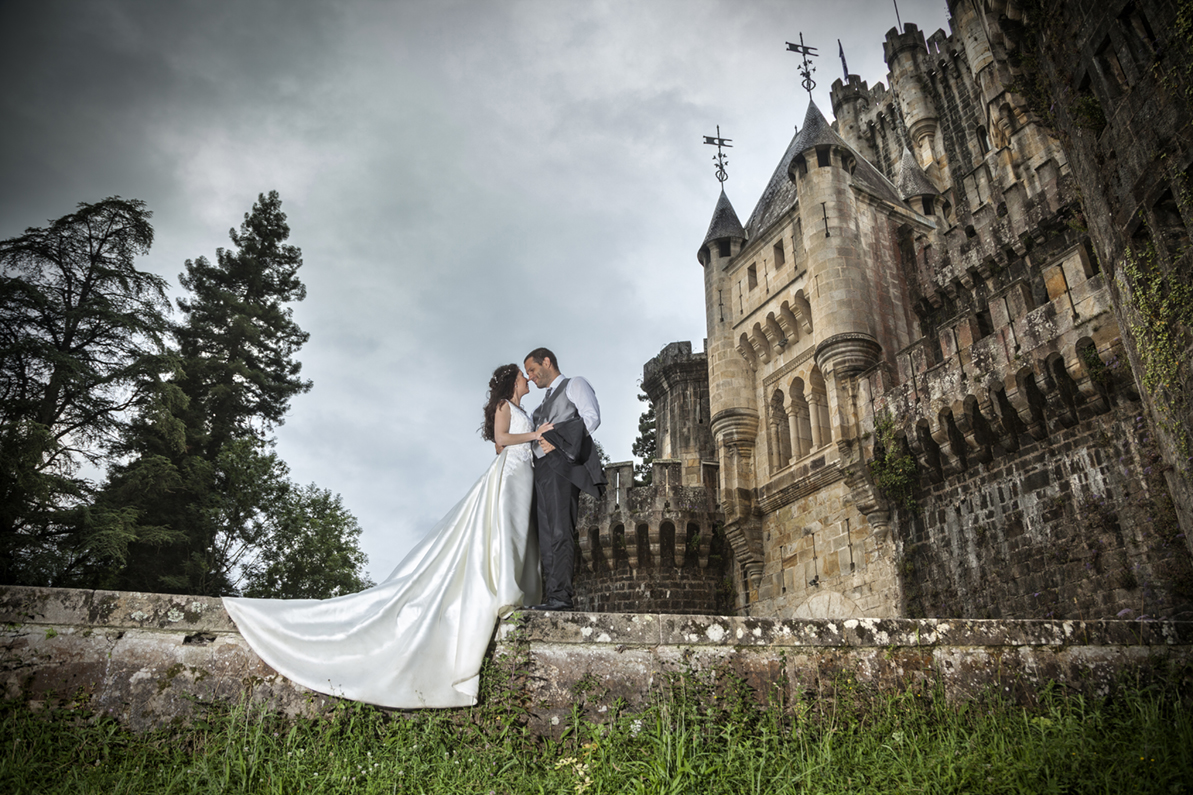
636,727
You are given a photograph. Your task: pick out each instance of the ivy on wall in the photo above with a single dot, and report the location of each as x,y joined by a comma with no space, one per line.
1160,323
893,467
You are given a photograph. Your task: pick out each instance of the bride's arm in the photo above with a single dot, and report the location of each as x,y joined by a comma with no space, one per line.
501,429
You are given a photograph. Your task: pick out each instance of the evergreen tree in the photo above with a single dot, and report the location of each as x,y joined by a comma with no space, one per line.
646,445
239,337
198,468
80,329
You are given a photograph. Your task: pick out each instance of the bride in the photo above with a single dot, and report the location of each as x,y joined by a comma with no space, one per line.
418,638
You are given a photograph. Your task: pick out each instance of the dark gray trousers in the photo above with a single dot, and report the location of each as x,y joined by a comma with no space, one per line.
557,502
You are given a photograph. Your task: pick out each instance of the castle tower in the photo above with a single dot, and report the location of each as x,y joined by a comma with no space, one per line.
659,547
676,381
734,417
906,56
840,292
850,102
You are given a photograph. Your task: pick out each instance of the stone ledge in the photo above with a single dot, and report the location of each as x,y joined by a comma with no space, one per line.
149,659
647,629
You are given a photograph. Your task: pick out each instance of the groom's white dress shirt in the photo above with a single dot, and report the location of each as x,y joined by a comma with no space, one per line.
580,392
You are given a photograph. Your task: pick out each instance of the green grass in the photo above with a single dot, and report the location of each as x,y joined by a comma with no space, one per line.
688,742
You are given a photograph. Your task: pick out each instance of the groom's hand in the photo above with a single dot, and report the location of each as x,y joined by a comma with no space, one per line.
547,446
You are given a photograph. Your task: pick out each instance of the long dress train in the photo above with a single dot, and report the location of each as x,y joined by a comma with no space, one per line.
418,638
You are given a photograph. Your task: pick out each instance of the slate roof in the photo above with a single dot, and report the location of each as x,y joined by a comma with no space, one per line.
780,193
911,179
724,222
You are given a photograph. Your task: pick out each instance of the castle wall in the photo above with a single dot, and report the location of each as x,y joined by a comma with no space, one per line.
656,548
1114,80
1077,525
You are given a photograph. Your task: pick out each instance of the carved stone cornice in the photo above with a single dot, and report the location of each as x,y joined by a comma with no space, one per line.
786,490
736,427
782,372
848,353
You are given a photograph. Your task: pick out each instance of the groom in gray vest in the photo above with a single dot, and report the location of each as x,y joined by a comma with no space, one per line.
566,463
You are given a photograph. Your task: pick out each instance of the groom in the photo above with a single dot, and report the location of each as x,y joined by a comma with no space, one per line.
566,463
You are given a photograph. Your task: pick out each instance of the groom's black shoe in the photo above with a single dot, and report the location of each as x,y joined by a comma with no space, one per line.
553,604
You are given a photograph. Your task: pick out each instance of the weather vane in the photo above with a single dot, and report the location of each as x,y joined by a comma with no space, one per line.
719,158
807,69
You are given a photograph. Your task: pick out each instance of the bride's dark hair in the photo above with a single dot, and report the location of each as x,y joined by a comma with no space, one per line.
501,387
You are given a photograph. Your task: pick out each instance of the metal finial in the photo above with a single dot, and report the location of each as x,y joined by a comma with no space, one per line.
807,68
719,158
844,66
896,2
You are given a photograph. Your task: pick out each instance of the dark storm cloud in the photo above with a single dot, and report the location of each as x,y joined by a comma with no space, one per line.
466,180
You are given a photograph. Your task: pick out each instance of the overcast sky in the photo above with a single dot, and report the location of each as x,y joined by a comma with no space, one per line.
467,181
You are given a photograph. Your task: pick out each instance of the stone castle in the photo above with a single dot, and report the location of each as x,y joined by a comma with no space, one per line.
947,352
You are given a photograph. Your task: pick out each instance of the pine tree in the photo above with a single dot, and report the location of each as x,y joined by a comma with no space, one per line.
201,434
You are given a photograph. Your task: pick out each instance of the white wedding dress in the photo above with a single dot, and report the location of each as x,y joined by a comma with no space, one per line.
418,638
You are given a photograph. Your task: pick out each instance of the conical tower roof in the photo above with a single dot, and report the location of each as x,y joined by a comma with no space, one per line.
911,179
818,132
778,196
781,193
724,222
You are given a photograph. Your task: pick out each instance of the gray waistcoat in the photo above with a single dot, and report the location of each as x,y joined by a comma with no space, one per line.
554,409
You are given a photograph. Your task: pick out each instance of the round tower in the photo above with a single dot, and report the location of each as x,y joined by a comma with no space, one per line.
734,413
850,102
906,57
839,284
731,392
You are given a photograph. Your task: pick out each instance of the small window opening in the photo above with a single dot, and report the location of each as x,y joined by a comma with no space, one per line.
752,276
780,257
929,205
1138,29
983,139
723,247
823,156
985,323
1116,80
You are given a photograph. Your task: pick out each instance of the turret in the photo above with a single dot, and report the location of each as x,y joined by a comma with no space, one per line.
676,381
850,101
907,57
914,186
724,240
840,293
734,415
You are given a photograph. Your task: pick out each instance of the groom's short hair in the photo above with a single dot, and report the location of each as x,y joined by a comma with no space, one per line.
538,354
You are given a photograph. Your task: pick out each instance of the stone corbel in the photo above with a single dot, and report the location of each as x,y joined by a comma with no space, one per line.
747,353
760,345
788,323
775,337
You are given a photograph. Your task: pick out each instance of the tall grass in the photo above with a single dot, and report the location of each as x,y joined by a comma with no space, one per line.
694,739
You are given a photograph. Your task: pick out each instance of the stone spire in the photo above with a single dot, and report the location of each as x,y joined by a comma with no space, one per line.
724,225
911,179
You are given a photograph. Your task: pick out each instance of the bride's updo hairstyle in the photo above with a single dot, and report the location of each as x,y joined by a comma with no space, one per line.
501,387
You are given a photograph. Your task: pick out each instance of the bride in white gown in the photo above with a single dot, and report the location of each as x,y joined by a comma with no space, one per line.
418,638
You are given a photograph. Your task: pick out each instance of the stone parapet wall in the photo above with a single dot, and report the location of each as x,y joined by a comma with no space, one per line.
687,590
149,659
